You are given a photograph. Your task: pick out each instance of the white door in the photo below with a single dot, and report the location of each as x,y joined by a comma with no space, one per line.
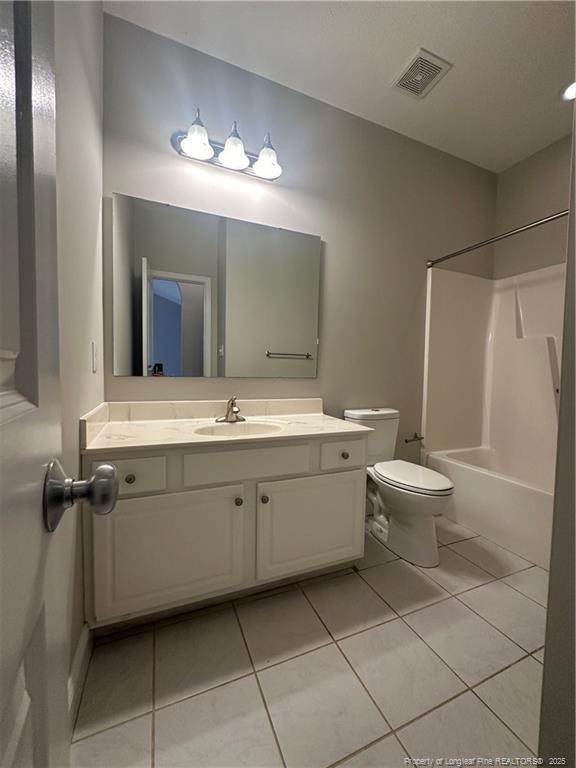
34,728
309,522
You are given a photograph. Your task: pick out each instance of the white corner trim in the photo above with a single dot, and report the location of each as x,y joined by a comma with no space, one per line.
78,671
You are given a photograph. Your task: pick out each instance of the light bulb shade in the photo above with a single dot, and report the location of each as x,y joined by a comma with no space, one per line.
267,166
569,93
233,155
196,144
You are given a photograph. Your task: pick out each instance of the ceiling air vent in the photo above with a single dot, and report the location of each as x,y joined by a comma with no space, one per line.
423,72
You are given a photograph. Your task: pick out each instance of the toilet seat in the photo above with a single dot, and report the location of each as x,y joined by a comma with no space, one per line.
413,478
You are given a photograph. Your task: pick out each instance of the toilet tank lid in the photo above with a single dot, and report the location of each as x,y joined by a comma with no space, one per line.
371,414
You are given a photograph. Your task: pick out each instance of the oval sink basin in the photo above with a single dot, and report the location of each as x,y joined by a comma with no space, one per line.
239,429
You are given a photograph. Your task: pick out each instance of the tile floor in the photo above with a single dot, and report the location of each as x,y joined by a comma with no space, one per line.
359,669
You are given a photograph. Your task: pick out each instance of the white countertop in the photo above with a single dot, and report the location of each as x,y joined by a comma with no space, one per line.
102,433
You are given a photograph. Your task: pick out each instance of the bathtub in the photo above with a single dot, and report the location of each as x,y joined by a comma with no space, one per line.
505,509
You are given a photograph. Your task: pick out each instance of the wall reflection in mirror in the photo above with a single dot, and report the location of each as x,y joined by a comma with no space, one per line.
196,294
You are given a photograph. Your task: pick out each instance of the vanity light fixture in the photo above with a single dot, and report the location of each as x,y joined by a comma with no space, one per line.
195,144
233,155
569,93
267,166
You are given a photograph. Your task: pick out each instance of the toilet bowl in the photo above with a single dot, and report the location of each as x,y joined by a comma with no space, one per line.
411,496
404,497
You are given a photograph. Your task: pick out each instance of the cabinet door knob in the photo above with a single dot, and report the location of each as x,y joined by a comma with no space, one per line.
238,501
345,455
265,499
130,479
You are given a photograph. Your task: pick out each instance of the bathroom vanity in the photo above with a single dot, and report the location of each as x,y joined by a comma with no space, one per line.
208,509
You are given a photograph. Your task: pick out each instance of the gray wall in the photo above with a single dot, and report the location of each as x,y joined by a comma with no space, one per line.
530,190
383,204
78,44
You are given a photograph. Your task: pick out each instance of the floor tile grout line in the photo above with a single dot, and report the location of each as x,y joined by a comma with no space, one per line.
504,669
530,565
491,623
357,752
195,695
504,723
254,671
507,549
456,541
358,631
111,727
367,629
441,600
424,570
296,656
397,730
520,591
525,654
524,651
356,675
263,698
468,688
460,591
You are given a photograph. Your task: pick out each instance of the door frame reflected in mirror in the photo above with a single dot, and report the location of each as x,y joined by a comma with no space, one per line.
148,317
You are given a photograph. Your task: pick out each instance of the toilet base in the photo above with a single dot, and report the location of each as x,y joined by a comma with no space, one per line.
378,531
413,538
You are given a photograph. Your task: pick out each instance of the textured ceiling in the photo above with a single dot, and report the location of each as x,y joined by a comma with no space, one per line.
499,104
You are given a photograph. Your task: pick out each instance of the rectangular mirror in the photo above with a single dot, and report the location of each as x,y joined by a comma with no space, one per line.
201,295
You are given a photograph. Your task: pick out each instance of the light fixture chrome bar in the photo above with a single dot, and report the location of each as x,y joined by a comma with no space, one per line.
495,239
290,355
218,147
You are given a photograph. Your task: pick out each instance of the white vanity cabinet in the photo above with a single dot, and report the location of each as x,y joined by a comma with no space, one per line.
309,522
156,550
197,522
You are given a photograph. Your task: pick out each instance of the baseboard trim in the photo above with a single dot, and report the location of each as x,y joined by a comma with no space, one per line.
78,672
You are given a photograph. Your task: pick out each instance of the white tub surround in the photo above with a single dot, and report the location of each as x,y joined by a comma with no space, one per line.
205,515
502,508
490,400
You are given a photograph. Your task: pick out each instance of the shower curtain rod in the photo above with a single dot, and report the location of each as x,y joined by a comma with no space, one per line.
495,239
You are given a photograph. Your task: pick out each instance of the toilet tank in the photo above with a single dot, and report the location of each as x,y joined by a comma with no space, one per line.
384,422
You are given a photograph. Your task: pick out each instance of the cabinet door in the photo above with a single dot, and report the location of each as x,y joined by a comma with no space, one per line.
309,522
153,551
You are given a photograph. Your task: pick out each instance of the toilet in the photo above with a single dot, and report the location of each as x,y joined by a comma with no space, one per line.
404,497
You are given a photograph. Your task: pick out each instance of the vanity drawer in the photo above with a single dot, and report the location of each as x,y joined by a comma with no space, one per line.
138,476
343,454
244,464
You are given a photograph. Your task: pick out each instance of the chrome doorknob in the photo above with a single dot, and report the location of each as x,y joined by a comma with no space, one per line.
61,492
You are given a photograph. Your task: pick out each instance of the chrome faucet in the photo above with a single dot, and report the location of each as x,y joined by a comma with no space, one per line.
232,412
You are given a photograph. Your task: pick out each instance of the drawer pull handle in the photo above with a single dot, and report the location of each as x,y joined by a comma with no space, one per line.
265,499
345,455
130,479
238,501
